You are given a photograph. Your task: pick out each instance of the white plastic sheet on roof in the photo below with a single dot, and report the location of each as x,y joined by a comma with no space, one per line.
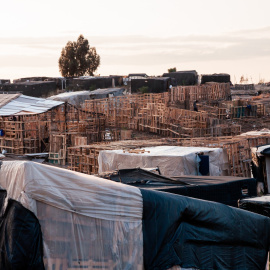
75,98
172,160
263,131
85,220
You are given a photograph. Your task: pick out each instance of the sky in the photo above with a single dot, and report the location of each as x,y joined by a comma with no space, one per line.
208,36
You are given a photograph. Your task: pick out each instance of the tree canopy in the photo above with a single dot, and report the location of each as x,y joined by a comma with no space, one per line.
172,70
78,58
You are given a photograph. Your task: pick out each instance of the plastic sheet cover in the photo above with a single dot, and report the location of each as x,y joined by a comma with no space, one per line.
86,221
20,239
204,235
259,205
171,160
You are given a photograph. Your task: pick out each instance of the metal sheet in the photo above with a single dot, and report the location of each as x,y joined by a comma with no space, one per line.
28,105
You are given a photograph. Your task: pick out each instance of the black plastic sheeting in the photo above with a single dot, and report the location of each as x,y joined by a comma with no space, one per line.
3,195
266,151
219,78
189,77
20,238
222,189
228,192
154,85
261,207
193,233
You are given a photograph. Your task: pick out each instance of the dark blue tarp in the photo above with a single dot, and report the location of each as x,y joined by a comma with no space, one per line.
178,230
20,239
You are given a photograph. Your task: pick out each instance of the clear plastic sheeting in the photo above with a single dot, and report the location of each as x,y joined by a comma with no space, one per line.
85,220
72,240
171,160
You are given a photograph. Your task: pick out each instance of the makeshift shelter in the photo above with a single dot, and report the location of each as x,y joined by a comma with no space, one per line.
150,85
223,189
31,88
137,75
261,166
106,93
189,77
90,223
219,78
84,220
20,237
4,81
202,235
90,83
74,98
258,205
34,125
171,160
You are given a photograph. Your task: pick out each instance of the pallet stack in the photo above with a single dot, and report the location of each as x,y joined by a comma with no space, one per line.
237,148
84,158
150,113
205,92
32,133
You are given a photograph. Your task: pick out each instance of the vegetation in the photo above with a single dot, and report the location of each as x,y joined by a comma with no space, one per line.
92,87
143,89
78,59
172,70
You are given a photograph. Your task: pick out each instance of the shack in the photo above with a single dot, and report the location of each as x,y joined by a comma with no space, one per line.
92,223
75,98
223,189
34,125
189,77
261,167
217,77
31,88
107,93
150,85
172,160
4,81
92,83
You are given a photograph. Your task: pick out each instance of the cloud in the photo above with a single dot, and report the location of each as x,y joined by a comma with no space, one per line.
141,50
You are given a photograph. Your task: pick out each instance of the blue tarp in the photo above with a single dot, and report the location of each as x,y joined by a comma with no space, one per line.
178,230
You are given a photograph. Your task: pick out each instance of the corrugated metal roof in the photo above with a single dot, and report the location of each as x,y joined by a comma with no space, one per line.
6,98
28,105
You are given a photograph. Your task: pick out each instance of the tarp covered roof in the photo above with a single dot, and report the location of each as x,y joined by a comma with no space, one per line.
172,160
70,94
87,212
79,213
106,91
264,131
28,105
199,234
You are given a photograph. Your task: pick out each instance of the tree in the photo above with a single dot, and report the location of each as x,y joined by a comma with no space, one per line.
172,70
78,59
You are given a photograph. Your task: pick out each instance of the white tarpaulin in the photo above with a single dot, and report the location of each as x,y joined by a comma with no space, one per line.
171,160
261,132
85,220
74,98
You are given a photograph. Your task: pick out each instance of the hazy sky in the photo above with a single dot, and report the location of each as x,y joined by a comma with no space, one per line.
147,36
